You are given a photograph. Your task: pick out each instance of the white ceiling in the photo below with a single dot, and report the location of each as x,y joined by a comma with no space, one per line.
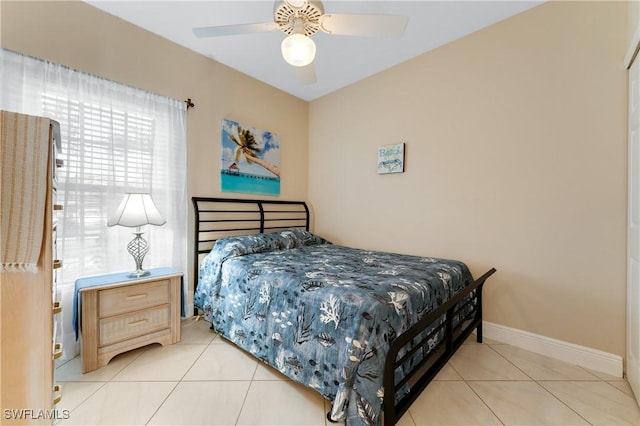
340,60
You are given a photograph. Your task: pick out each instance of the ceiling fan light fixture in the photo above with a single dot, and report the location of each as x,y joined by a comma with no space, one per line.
298,50
296,4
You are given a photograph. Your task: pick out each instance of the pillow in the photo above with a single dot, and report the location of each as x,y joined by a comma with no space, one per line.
240,245
301,237
225,248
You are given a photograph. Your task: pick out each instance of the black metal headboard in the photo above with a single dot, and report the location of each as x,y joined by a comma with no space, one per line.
217,218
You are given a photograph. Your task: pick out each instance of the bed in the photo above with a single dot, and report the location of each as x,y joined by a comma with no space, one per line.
367,330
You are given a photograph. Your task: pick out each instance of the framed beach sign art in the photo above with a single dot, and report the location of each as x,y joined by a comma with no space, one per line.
391,158
250,160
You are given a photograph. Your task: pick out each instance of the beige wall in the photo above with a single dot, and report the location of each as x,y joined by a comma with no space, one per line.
82,37
515,158
633,26
633,31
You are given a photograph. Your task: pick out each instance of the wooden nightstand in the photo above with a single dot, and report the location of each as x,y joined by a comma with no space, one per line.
118,313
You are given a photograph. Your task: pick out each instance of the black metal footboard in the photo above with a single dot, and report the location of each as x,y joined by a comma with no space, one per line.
450,324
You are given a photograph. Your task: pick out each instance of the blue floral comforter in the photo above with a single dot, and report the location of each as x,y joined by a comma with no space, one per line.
322,314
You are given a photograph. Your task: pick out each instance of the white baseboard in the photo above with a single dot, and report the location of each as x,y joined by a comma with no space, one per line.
583,356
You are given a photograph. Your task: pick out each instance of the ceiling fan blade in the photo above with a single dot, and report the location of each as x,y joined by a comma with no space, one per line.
364,25
225,30
307,74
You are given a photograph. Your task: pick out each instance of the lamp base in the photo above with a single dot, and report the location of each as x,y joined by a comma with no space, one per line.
138,248
139,273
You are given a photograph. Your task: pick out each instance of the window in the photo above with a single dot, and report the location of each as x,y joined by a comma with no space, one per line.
115,139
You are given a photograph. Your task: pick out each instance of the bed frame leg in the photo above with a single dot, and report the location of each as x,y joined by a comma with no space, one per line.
479,313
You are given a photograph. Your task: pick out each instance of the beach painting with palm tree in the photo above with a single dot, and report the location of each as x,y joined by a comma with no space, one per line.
250,160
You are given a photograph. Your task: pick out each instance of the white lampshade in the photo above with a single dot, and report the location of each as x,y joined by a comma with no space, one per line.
136,210
298,50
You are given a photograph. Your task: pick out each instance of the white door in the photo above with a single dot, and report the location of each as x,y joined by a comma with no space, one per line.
633,230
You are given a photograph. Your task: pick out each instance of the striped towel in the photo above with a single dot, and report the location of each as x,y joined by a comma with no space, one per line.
24,155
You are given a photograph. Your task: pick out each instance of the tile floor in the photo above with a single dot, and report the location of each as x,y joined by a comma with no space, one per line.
206,381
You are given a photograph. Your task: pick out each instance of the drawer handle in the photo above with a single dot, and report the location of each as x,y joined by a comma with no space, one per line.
57,394
57,350
57,264
58,207
135,323
57,308
137,296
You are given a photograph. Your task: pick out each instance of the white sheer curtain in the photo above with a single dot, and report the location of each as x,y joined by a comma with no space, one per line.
115,139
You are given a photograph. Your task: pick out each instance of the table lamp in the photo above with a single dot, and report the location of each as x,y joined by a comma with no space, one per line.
136,210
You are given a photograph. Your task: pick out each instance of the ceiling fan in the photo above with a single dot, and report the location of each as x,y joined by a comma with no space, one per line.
300,19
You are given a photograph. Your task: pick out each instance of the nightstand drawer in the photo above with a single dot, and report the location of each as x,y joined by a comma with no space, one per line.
121,300
124,327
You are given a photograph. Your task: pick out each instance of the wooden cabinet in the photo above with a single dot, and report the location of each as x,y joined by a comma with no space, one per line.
28,305
119,314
